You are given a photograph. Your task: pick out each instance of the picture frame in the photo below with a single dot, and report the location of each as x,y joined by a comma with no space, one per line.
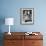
27,15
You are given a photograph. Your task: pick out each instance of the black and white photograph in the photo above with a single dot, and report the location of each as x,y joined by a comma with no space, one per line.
27,15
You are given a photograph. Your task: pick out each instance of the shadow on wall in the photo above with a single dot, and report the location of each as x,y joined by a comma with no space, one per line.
2,21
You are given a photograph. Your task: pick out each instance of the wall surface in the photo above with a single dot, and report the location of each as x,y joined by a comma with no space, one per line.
11,8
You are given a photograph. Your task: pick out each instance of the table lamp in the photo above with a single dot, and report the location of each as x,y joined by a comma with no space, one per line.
9,21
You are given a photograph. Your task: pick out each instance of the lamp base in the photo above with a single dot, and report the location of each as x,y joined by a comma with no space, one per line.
9,33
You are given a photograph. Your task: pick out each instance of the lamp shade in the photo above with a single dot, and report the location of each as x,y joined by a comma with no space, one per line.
9,21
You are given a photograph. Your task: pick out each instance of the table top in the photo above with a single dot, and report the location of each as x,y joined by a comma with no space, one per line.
22,35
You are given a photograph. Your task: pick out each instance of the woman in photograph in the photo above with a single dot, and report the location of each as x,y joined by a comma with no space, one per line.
27,15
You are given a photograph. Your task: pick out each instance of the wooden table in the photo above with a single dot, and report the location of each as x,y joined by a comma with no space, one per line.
20,39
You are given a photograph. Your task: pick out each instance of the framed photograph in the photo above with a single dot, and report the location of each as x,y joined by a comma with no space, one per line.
27,15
